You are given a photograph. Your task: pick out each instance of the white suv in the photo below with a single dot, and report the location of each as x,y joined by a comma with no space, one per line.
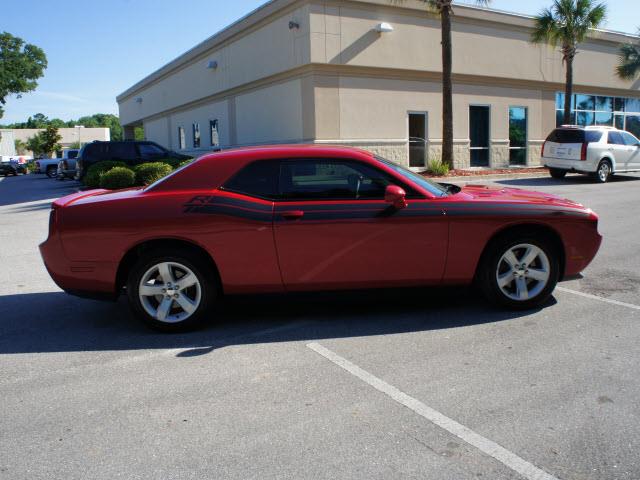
600,151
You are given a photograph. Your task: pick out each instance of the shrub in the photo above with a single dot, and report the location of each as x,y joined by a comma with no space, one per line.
185,162
148,173
435,166
92,177
117,177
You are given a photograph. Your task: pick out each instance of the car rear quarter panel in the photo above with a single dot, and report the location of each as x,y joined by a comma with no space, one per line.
241,247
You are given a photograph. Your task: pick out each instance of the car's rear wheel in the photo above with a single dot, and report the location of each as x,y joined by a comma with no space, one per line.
171,291
52,171
557,173
519,271
604,171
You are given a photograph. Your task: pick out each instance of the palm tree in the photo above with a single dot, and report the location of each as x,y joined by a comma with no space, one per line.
629,65
444,9
566,23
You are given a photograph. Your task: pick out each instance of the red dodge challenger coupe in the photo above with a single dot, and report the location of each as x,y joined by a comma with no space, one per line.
300,218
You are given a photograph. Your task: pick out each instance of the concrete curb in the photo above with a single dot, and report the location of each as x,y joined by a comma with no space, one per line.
490,178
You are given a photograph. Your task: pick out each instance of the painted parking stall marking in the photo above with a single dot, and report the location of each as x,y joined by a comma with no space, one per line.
489,447
600,299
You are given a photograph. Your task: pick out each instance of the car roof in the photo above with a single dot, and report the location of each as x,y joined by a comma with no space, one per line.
590,127
294,150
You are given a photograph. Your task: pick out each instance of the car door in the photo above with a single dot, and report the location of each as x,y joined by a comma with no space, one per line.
617,146
333,229
633,151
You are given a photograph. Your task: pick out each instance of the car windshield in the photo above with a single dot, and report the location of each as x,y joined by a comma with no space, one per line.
429,185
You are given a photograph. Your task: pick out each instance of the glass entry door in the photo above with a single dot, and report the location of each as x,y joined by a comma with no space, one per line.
517,135
479,116
417,139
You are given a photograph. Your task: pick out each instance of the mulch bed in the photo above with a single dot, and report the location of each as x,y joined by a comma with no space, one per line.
487,171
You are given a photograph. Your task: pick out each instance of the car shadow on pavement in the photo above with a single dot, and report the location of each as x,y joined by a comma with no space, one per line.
57,322
568,180
21,189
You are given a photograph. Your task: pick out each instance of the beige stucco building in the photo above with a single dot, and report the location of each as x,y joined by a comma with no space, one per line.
69,136
321,71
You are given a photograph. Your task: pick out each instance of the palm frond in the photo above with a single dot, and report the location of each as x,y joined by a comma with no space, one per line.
628,61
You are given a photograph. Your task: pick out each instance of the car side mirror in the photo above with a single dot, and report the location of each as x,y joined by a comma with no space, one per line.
396,196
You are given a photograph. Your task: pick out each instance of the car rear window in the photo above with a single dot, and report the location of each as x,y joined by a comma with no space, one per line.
258,179
562,135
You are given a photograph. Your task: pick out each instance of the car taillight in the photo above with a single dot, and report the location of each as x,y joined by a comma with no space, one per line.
65,165
38,165
583,152
542,153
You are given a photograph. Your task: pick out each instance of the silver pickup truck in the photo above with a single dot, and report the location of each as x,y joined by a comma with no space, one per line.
50,165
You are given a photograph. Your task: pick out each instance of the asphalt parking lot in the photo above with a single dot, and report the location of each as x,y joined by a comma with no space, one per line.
400,384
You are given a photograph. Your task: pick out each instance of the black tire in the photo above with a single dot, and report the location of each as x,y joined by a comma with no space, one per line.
209,290
557,173
490,264
604,171
52,172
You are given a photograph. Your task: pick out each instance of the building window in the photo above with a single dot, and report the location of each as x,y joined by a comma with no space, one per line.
215,136
196,135
181,141
479,118
417,139
623,113
517,135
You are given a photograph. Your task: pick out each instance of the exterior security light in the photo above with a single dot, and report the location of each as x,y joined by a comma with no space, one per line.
138,99
384,27
293,24
213,64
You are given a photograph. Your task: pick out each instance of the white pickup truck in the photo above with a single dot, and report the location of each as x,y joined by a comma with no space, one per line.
50,165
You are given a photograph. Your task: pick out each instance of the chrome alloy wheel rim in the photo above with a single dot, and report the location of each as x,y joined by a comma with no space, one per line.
523,272
170,292
604,171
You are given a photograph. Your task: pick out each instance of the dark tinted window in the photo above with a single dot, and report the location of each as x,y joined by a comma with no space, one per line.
259,179
615,138
149,151
72,154
566,135
95,152
122,151
324,179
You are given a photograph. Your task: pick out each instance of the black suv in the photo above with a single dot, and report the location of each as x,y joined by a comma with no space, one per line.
130,152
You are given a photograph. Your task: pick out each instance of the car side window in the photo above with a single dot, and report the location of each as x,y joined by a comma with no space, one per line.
149,151
327,179
615,139
258,179
629,139
122,151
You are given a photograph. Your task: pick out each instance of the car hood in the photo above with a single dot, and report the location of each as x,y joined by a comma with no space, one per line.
490,193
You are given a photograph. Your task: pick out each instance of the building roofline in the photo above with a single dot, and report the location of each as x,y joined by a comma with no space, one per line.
257,14
273,6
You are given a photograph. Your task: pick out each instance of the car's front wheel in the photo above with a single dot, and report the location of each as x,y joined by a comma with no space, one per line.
52,172
171,291
519,271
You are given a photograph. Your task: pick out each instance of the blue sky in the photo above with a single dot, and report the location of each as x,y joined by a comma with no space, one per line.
97,49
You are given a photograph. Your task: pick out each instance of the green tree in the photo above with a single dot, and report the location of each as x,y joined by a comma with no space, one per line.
39,120
34,144
566,24
49,140
21,65
629,60
444,8
20,146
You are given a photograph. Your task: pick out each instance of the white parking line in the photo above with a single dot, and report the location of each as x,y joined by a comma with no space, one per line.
601,299
504,456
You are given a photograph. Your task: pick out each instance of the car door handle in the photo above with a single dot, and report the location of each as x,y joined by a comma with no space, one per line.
292,214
